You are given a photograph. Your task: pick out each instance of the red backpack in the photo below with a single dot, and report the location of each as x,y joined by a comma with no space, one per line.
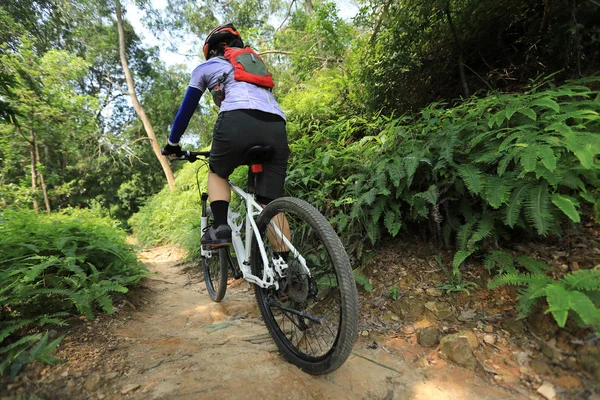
247,67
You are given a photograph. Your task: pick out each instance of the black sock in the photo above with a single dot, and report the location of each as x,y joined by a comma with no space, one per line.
219,209
284,254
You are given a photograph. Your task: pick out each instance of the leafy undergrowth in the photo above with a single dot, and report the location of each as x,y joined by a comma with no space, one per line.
52,267
408,293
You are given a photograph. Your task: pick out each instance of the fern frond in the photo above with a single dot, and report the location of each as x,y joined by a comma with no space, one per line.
558,302
464,233
484,229
472,177
500,259
393,219
537,208
497,190
460,257
518,279
585,146
529,158
515,204
431,195
527,300
396,172
583,279
585,308
567,205
532,265
547,156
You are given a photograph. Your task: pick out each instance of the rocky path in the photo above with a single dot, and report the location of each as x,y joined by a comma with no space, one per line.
169,341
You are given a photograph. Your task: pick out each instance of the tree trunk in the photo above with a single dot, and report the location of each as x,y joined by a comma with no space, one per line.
136,104
33,169
459,49
308,5
42,180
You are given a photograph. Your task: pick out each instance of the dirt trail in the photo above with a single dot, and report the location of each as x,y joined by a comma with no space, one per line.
182,345
177,343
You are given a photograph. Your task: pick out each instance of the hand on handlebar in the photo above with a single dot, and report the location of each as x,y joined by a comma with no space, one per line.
170,150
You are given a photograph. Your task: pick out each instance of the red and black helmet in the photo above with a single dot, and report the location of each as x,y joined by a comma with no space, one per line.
221,34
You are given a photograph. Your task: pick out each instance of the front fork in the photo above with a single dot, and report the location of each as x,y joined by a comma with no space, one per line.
204,224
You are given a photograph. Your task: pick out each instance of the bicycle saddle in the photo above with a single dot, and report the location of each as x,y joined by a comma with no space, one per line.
258,154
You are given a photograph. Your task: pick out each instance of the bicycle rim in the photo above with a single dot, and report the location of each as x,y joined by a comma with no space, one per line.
214,267
311,318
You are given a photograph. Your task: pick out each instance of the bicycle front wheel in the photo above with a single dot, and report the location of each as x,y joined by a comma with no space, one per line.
215,268
312,316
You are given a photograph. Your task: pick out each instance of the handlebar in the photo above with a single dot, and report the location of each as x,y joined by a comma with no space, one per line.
191,156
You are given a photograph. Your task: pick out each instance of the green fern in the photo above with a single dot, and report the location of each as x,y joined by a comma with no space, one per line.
499,260
537,208
583,279
532,265
515,205
497,191
567,205
485,228
472,177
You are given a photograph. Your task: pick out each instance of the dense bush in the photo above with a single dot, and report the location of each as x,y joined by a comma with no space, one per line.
52,266
489,168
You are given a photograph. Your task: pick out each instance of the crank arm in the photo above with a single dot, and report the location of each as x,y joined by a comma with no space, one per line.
273,303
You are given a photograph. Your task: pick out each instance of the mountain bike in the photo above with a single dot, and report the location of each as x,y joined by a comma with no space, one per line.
303,281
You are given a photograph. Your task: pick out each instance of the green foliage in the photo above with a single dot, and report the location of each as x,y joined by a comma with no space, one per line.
363,281
415,52
394,292
52,266
472,184
25,350
573,293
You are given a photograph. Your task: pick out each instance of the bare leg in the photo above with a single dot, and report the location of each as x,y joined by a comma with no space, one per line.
274,239
218,188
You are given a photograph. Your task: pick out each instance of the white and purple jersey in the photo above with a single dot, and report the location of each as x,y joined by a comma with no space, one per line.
238,95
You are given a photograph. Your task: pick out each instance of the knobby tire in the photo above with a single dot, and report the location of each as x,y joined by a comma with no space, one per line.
328,295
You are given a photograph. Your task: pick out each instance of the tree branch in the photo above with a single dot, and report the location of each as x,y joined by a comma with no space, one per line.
287,16
291,53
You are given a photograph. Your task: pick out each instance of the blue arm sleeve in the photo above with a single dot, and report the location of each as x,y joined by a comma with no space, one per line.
182,119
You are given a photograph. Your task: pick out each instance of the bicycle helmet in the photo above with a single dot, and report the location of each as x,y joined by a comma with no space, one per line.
221,34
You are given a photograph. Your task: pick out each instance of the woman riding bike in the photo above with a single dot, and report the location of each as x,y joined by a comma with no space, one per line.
249,116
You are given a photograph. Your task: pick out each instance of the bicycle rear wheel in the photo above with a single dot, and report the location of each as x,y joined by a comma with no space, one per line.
215,267
312,318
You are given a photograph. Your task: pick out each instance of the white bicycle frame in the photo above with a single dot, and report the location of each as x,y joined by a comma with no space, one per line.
242,251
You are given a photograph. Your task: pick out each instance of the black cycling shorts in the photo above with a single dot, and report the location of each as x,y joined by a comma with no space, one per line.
235,132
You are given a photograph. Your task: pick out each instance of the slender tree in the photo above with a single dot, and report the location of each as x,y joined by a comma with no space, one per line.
136,104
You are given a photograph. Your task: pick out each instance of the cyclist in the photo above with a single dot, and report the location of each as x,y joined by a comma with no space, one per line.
249,115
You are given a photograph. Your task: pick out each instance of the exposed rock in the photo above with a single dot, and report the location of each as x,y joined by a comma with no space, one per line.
92,382
489,339
568,382
467,315
410,309
589,359
458,348
547,390
488,329
434,292
513,326
378,337
129,388
111,375
428,337
441,310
